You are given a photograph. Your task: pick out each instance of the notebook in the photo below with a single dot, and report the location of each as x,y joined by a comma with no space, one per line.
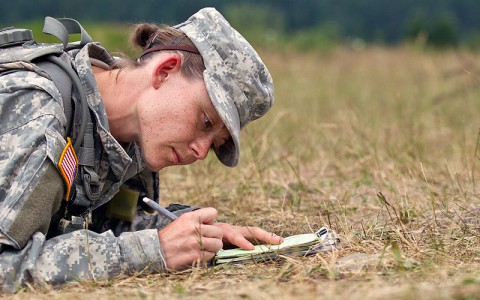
302,244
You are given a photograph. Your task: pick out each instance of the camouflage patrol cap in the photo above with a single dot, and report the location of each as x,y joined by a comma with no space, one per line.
238,82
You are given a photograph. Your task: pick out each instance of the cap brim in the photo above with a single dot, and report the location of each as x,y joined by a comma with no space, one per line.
229,152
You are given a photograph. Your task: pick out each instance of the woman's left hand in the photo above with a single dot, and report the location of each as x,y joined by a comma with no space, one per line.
244,236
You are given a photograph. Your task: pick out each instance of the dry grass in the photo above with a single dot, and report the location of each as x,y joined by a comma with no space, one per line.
378,145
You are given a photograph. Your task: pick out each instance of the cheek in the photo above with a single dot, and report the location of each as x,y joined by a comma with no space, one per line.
166,123
152,122
160,134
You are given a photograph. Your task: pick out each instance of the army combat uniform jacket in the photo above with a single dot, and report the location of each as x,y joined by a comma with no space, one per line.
32,138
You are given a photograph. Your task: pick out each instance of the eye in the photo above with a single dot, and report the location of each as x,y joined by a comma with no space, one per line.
206,122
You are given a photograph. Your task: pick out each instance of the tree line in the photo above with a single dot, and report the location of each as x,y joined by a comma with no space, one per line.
435,22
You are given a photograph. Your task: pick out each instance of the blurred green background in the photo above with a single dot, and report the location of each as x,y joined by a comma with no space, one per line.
302,24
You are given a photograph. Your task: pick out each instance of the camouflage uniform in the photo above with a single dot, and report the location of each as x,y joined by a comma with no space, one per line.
32,137
32,124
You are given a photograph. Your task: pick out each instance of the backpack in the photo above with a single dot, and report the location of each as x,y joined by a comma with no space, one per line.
18,45
18,50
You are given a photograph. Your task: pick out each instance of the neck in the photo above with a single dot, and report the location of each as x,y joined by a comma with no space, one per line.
118,94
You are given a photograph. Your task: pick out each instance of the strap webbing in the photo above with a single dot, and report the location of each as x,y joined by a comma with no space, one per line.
62,27
86,153
64,85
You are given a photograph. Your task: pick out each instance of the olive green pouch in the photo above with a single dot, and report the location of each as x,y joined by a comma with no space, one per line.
123,205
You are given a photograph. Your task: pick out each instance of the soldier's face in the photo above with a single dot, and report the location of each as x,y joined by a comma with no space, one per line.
178,123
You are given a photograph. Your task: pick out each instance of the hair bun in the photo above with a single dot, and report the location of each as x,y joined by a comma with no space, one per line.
142,33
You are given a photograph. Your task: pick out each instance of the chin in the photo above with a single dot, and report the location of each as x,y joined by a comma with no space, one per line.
154,167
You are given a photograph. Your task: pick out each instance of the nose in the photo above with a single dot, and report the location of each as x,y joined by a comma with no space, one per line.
200,147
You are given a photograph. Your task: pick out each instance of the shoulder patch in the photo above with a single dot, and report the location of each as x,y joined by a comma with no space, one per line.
68,165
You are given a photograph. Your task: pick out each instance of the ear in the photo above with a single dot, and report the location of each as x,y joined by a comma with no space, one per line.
164,67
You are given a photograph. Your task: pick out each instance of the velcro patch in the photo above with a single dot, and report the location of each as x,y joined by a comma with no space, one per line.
68,166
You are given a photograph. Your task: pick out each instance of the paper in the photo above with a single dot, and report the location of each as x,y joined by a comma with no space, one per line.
300,244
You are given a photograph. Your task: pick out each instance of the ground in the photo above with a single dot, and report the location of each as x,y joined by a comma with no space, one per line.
378,145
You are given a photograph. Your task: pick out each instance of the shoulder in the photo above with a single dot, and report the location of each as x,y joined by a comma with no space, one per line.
27,95
23,79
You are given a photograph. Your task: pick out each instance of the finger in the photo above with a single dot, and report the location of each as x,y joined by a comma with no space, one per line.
233,235
205,215
260,236
210,231
190,259
240,241
205,244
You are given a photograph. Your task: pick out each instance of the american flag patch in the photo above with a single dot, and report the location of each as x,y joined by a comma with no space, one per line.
68,165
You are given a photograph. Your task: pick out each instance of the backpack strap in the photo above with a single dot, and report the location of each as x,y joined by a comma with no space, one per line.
67,68
84,142
63,27
63,83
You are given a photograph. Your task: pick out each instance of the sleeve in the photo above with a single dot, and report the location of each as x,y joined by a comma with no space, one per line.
80,255
31,189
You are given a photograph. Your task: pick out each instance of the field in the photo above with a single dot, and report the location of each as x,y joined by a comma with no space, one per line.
380,146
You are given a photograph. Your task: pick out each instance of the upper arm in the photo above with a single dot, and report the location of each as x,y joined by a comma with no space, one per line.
31,137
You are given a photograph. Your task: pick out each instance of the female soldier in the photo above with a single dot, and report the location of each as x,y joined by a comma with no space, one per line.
193,88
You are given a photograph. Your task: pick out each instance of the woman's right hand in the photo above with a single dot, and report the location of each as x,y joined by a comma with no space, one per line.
190,239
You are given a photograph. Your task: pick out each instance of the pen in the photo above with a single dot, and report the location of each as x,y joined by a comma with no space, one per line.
168,214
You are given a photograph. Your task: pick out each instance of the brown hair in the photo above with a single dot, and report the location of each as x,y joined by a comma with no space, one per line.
148,36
